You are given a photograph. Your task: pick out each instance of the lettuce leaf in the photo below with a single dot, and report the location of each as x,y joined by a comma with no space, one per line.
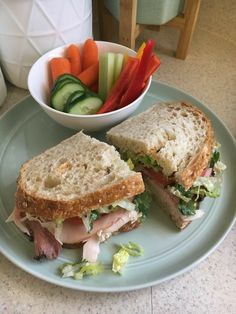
120,259
89,219
145,160
143,203
79,270
210,186
187,208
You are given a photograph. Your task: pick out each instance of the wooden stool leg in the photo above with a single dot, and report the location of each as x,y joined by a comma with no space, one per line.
106,22
127,25
191,14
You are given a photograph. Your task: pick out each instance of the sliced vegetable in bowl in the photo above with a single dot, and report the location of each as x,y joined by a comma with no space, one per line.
70,95
41,84
117,78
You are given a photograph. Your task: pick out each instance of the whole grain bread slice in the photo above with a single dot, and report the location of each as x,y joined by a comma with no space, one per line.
177,135
74,177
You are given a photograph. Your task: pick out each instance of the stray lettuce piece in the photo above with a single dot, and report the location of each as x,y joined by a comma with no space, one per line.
78,270
120,259
143,202
132,248
89,269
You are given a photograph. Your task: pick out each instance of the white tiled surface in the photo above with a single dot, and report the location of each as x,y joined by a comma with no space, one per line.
208,73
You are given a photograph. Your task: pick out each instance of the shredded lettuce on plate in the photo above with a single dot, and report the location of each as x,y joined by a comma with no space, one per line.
79,270
120,259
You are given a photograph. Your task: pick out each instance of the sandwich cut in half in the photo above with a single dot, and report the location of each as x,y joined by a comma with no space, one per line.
78,192
173,145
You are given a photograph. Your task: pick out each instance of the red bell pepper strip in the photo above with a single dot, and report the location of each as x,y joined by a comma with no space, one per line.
136,84
153,65
120,86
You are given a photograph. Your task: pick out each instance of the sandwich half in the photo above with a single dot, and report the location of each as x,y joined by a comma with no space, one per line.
173,145
78,192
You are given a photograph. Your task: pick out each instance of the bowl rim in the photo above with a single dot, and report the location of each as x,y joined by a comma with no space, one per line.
96,116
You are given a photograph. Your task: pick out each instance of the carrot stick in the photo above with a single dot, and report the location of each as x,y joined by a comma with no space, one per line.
59,66
73,54
90,53
90,75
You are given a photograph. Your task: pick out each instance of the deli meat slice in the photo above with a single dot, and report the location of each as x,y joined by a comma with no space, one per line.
91,249
48,239
44,241
76,232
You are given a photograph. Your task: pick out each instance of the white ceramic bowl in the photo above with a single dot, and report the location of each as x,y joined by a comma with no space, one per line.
39,86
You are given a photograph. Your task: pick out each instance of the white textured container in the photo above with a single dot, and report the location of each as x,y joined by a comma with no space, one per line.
29,28
3,89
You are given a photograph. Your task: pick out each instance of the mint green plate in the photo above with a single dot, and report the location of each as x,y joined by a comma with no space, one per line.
26,130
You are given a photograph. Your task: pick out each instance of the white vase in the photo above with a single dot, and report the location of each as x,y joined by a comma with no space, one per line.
3,89
29,28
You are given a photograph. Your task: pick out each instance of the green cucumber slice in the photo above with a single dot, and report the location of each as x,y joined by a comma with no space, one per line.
68,77
119,59
60,95
76,96
106,74
88,105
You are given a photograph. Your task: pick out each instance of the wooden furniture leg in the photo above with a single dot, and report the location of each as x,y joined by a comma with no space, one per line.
186,32
106,22
129,29
127,24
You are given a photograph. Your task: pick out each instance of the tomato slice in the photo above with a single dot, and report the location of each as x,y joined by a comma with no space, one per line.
156,176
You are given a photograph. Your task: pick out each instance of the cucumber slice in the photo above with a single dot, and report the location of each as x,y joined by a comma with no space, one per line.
106,74
68,77
119,59
76,96
88,105
60,95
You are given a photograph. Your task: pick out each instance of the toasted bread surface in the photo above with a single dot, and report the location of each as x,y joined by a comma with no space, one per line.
74,177
178,136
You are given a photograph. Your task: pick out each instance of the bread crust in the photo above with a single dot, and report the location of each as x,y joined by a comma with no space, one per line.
200,161
50,209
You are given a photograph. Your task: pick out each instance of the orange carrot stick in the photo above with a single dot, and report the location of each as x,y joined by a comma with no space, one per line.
59,66
90,75
90,53
73,54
